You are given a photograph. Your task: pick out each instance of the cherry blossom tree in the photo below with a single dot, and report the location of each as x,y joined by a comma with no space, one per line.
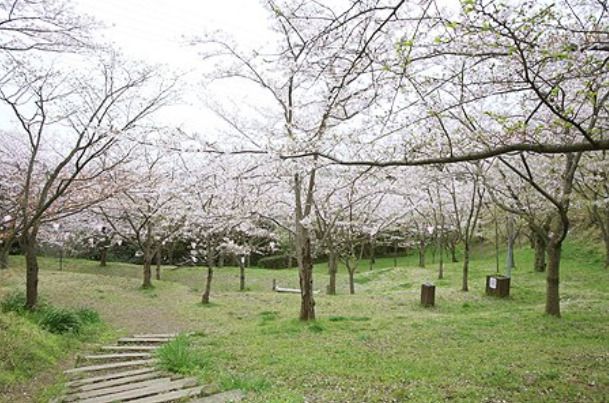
92,111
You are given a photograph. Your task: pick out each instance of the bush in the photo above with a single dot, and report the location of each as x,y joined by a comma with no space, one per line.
14,302
59,320
50,318
275,262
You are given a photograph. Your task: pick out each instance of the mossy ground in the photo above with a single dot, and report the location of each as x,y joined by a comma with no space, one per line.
377,345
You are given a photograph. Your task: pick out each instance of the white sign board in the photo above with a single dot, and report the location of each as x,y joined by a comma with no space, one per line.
492,282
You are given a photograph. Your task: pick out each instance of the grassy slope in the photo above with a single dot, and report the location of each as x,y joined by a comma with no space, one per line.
378,345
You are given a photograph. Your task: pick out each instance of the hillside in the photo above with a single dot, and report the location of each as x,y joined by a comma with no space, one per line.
377,345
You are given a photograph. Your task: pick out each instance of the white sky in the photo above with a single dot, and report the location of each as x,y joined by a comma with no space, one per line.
155,31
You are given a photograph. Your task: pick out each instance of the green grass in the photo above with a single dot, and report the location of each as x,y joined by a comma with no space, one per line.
376,345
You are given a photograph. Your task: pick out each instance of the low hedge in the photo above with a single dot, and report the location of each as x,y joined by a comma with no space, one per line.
276,262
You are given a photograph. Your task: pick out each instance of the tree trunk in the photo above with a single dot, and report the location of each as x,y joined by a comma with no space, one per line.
552,279
147,271
29,246
422,253
351,280
332,269
221,260
5,248
103,255
539,243
464,285
303,248
158,264
307,304
241,262
210,274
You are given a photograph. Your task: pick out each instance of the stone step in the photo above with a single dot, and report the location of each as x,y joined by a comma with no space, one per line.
108,377
171,396
116,382
115,389
114,365
161,387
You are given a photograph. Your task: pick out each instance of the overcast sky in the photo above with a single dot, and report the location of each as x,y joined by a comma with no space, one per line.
156,31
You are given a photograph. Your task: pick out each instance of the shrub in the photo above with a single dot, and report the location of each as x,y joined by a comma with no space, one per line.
14,302
275,262
59,320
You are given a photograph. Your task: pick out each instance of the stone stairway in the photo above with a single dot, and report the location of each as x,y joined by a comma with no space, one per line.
126,372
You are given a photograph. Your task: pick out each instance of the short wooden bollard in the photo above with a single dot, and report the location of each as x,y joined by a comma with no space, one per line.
428,294
498,286
274,284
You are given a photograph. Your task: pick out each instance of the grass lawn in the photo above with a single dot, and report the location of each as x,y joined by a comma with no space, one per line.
377,345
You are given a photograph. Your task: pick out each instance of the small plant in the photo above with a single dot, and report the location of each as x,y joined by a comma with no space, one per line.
179,357
59,320
14,302
88,315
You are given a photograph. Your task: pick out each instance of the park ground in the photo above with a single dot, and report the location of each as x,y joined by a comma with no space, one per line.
379,345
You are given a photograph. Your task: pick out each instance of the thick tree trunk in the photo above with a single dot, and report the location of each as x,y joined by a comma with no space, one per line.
422,253
147,274
552,279
241,262
29,246
464,285
158,264
207,291
332,269
307,303
103,256
540,252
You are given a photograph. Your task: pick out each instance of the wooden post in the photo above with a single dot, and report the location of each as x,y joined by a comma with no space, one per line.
274,284
428,294
498,286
